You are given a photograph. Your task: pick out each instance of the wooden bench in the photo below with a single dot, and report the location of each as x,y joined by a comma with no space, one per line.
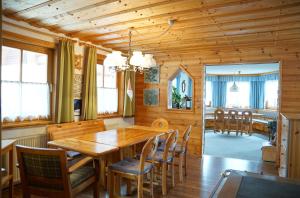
73,129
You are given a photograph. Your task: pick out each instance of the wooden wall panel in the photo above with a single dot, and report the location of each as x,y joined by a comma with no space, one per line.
177,120
289,96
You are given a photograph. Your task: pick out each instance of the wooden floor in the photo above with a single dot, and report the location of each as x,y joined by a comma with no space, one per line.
203,175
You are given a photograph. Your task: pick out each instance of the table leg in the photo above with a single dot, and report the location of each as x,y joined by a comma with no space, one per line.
103,178
11,187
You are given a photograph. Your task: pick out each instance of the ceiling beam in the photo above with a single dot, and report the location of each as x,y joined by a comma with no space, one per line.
35,7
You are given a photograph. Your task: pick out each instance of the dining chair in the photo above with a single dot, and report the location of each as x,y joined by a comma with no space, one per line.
219,120
134,169
160,123
181,152
166,157
233,121
45,172
246,123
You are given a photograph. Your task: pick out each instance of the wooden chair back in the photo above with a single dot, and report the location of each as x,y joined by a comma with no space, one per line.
148,151
246,117
73,129
43,171
233,116
185,139
170,145
219,115
160,123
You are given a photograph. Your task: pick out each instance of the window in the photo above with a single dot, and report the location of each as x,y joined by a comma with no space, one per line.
107,91
25,89
208,93
240,99
271,94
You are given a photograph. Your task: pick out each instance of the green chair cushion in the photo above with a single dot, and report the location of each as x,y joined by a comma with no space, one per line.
80,175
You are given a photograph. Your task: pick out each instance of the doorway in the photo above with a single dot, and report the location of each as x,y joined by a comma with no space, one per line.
236,90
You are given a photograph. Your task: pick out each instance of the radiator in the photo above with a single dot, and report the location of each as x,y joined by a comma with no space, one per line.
32,141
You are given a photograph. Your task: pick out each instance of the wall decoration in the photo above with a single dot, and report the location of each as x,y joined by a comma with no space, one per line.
78,62
152,75
78,77
151,97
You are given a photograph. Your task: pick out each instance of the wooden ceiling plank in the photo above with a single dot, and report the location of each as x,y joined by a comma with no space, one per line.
227,32
74,11
151,5
184,27
38,6
235,15
198,10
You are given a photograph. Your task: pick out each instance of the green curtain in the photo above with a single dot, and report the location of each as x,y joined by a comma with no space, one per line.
65,72
129,94
89,90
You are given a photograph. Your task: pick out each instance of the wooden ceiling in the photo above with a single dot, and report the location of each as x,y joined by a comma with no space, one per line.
202,26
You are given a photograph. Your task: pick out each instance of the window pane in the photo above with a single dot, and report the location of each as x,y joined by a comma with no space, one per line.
107,100
11,63
34,67
11,100
208,93
35,100
99,75
271,93
240,99
110,78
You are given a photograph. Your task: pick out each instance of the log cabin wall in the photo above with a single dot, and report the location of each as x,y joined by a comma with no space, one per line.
205,32
289,96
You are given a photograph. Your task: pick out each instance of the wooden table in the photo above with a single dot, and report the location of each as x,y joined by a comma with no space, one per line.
101,143
123,137
85,147
8,146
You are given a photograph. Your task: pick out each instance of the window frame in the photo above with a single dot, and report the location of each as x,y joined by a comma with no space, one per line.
119,87
38,49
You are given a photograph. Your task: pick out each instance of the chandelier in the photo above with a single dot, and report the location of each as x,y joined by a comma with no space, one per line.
234,87
135,61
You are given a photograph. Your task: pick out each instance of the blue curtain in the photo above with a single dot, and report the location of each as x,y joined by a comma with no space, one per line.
257,88
219,93
257,94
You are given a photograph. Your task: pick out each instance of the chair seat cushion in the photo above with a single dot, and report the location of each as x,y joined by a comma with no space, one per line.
129,165
73,154
159,157
81,174
178,149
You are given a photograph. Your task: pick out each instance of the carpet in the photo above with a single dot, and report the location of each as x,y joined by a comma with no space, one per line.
232,146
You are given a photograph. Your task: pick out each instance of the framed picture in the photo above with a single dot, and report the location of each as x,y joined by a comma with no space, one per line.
152,75
151,97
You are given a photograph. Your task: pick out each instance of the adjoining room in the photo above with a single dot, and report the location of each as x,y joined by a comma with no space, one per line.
241,110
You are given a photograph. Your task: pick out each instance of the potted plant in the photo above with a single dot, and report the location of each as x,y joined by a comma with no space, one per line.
176,98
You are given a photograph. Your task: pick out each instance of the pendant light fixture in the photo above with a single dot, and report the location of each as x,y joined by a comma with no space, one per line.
135,61
234,87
